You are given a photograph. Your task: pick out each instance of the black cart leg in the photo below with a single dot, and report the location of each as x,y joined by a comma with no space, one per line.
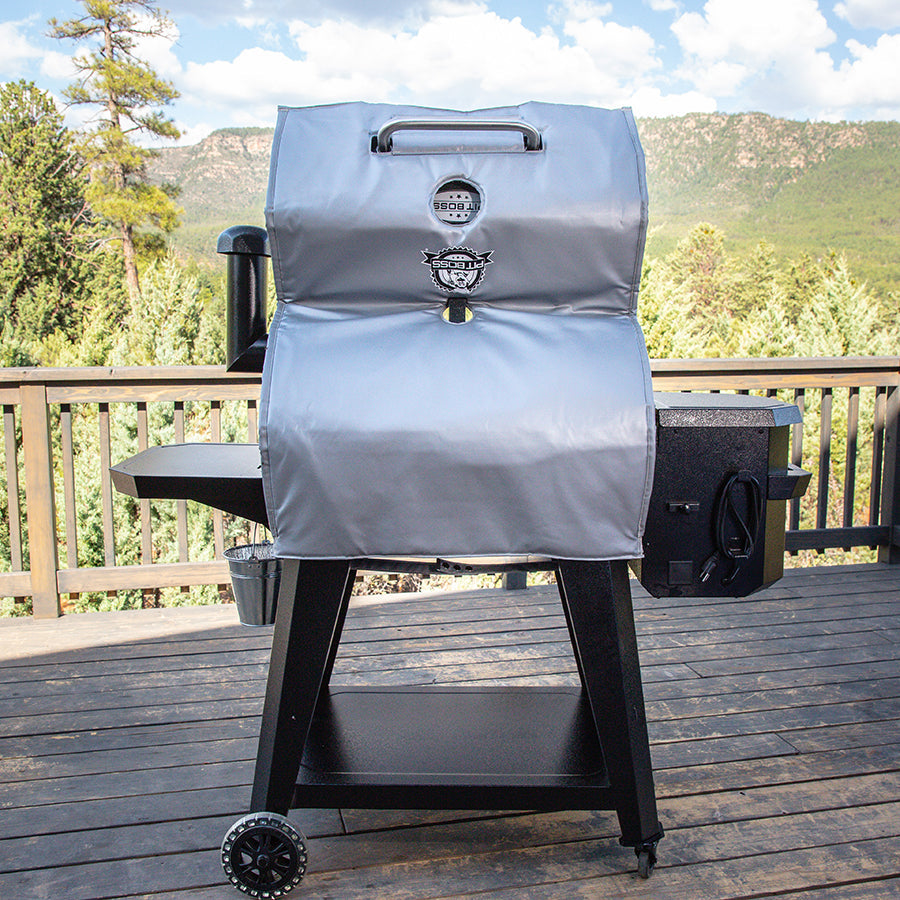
310,611
597,600
336,638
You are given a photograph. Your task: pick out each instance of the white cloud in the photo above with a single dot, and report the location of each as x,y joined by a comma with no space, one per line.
755,36
872,77
651,102
883,14
578,11
618,49
450,7
253,13
158,52
78,117
58,66
253,75
17,49
467,57
776,55
193,134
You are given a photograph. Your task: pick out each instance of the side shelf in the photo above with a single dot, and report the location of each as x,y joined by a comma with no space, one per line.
223,476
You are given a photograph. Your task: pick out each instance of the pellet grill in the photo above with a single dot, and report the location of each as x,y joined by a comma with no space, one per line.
455,381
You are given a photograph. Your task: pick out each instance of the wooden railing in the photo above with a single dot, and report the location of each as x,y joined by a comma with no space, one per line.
61,428
47,404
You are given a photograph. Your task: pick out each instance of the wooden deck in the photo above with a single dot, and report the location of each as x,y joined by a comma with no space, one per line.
127,744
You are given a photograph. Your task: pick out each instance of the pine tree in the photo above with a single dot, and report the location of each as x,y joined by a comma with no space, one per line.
45,237
162,327
700,263
128,93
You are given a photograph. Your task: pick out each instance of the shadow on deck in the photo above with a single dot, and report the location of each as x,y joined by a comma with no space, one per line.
127,744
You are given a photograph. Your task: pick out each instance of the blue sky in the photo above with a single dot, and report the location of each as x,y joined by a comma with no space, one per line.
235,61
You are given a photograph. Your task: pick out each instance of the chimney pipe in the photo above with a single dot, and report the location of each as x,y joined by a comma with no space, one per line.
247,248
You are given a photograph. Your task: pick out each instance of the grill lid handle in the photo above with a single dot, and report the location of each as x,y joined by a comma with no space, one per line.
530,134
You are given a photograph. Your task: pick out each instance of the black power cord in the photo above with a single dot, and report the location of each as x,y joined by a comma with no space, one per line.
738,545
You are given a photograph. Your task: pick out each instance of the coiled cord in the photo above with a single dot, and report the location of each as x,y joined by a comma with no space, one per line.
746,530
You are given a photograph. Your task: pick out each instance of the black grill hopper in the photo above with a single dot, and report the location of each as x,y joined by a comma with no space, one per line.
517,232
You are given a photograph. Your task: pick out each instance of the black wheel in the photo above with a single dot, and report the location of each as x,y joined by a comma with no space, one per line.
264,855
646,861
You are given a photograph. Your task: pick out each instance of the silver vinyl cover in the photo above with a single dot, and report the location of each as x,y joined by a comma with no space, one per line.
387,430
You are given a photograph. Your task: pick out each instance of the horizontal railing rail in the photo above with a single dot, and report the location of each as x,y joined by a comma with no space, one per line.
68,532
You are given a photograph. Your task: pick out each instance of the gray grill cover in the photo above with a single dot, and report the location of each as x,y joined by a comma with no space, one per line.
386,430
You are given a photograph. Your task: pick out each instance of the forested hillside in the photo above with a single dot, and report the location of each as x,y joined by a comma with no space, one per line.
222,182
803,187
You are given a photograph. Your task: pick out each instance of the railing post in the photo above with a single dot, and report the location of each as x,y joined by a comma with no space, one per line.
890,481
39,500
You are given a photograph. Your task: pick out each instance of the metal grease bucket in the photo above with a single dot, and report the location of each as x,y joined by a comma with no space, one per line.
255,577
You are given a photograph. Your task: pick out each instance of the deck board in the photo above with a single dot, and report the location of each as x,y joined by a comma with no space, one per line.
127,743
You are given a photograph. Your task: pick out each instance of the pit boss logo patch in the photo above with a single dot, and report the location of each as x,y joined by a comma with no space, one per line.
457,268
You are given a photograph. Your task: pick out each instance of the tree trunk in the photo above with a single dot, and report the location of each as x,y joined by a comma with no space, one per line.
131,272
119,180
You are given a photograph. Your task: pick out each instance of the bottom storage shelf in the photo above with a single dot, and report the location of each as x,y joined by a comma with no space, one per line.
453,748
